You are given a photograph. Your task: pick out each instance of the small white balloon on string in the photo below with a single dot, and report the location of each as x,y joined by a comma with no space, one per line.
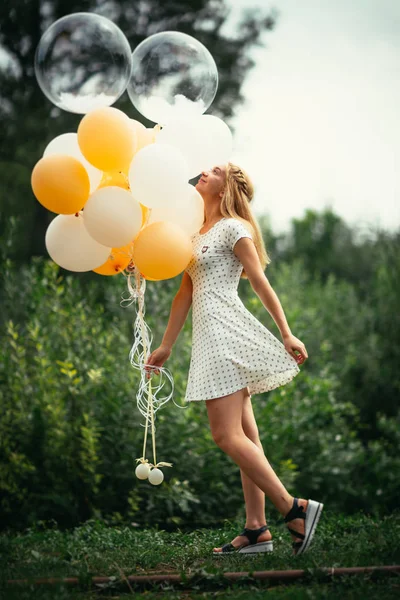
156,476
142,470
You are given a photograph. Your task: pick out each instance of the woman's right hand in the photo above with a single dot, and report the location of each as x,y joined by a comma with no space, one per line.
157,358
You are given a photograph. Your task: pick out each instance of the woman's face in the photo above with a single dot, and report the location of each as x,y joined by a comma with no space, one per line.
212,182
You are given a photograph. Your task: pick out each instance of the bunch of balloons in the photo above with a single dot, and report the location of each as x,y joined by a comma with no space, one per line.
121,190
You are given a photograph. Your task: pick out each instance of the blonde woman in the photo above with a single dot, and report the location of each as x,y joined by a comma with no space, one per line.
234,355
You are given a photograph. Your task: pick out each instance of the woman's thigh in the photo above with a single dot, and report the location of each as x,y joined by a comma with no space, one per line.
225,414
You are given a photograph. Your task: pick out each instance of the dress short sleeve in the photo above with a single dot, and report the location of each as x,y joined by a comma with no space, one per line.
235,231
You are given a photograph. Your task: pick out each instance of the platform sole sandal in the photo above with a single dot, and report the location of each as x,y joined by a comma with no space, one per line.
311,517
251,549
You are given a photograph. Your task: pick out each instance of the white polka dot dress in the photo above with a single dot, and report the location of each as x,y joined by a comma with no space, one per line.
231,349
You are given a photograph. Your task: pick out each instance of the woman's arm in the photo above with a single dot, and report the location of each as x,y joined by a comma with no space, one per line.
247,254
179,311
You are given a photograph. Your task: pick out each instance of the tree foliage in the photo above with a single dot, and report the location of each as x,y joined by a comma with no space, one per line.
70,430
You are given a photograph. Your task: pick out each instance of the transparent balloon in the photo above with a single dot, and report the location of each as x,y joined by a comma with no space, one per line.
172,73
83,61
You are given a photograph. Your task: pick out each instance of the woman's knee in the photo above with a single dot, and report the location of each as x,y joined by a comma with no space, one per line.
225,415
223,438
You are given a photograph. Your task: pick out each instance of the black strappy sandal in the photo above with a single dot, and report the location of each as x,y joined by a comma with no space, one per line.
311,517
252,548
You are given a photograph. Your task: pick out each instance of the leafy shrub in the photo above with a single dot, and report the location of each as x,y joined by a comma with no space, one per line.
70,430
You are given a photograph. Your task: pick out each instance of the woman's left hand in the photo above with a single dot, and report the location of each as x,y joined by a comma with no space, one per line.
293,343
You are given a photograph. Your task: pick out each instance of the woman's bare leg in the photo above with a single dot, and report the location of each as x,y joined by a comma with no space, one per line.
225,417
254,497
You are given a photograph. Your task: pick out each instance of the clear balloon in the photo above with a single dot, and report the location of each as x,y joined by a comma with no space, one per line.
172,73
83,61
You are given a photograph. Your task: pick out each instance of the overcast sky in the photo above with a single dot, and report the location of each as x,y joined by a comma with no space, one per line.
321,124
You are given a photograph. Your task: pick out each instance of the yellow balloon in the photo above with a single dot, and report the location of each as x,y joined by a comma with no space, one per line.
161,250
115,178
106,139
61,183
118,260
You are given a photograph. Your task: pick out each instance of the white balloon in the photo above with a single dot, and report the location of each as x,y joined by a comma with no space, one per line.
158,175
204,141
71,247
67,143
217,140
156,476
188,214
112,216
196,208
142,471
184,134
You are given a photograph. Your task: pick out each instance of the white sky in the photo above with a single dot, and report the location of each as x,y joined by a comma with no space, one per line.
321,122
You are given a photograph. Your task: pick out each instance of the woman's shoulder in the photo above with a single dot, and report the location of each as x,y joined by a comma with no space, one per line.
237,223
237,220
235,229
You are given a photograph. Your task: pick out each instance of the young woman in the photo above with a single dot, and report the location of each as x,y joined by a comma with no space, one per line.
234,355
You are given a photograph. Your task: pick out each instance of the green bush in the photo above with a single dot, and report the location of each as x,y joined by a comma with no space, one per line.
70,430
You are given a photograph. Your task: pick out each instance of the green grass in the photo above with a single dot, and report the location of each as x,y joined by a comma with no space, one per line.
97,550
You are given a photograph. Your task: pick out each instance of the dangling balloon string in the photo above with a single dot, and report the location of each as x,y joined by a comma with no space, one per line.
134,293
143,338
153,433
149,403
141,333
145,431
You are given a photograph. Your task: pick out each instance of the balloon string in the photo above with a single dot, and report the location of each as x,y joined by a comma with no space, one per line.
147,401
150,401
145,431
153,432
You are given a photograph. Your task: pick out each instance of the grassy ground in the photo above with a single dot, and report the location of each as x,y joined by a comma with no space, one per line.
97,550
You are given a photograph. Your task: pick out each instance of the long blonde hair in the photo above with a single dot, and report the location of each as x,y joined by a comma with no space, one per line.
239,192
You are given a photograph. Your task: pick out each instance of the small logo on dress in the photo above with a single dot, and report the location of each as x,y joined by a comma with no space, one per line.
204,249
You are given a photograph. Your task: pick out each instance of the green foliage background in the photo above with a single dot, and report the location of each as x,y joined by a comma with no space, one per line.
69,427
70,430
